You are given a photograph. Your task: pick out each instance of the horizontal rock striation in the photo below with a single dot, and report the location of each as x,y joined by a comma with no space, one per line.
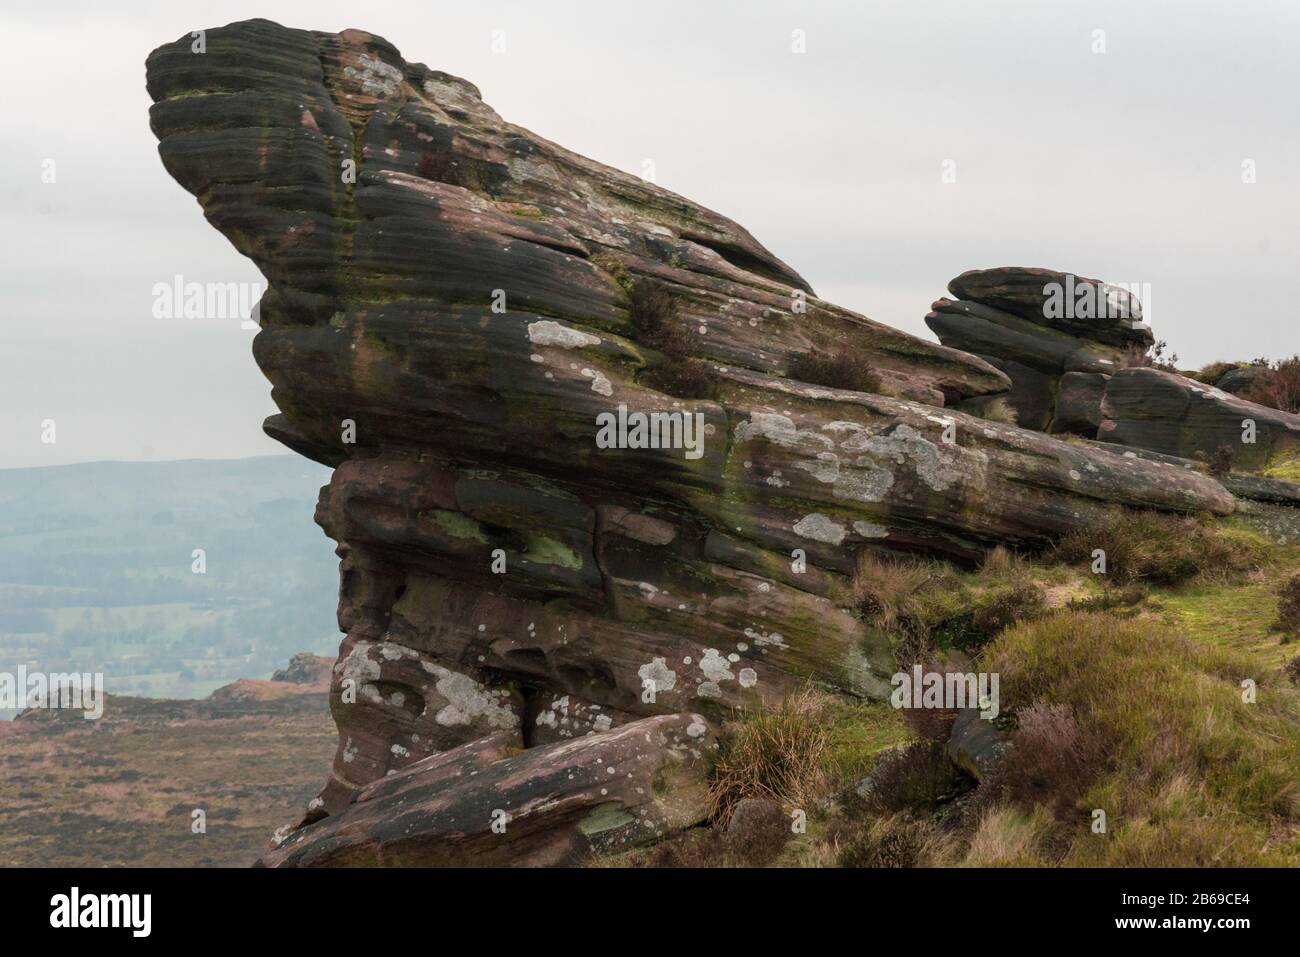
1173,414
578,484
481,805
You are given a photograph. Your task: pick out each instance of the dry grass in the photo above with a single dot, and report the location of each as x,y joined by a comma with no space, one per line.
1212,373
886,589
928,607
997,410
891,841
1008,837
1193,774
777,754
1288,609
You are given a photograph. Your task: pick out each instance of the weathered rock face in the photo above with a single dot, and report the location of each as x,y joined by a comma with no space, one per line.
1078,403
1088,308
1039,326
480,805
1176,415
527,557
1237,381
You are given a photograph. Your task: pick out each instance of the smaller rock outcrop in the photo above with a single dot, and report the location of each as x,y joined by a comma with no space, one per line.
1039,326
1170,413
975,745
1237,381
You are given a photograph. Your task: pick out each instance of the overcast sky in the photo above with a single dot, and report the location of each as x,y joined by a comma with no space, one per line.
1125,165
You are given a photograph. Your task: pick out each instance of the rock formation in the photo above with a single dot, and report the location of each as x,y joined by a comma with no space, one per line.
1056,336
582,506
1170,413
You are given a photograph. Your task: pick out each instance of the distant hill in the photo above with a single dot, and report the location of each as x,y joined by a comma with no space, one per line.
98,571
122,790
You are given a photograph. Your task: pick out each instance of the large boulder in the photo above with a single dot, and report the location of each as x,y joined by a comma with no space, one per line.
1091,309
482,805
1170,413
578,481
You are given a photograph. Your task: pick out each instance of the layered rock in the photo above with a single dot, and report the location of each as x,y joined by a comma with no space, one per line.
1040,326
481,805
1175,415
1089,309
476,329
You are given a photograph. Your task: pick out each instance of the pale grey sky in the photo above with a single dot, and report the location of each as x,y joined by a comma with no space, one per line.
1124,165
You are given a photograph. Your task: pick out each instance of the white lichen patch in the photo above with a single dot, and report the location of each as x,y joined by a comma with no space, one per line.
548,332
781,430
715,667
599,383
763,639
468,701
657,670
820,528
377,78
870,530
748,677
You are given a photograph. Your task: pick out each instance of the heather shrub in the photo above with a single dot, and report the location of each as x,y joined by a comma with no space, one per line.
1218,462
1288,609
758,831
1135,356
1162,549
911,777
1051,760
849,368
1279,387
896,840
1178,744
655,313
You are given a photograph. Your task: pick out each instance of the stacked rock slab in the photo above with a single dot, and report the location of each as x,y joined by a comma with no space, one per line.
1057,336
450,314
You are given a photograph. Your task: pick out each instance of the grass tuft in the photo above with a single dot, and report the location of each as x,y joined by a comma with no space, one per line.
775,754
1163,549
